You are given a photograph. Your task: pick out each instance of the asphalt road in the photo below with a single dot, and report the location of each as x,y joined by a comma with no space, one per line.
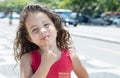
104,51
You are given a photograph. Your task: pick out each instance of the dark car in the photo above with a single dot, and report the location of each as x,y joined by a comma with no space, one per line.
68,20
80,17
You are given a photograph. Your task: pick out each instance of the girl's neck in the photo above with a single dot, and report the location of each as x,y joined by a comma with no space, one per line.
54,49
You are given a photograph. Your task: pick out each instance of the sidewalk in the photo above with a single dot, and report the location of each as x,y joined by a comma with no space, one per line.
96,32
7,65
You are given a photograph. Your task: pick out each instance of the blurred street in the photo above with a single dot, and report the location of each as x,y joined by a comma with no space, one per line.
98,48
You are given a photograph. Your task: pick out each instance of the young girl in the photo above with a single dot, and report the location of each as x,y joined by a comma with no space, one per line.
43,46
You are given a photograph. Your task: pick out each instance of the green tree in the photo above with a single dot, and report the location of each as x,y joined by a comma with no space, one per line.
13,4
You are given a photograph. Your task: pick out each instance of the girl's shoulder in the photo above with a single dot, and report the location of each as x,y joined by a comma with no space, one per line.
72,53
25,57
69,51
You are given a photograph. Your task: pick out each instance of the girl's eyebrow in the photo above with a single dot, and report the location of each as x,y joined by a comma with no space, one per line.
46,21
33,26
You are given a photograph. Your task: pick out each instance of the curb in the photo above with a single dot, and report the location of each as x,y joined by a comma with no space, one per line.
106,39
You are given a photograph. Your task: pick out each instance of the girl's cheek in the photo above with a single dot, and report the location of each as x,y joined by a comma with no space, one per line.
35,35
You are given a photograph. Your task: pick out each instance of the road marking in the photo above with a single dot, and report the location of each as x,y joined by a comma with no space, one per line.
106,49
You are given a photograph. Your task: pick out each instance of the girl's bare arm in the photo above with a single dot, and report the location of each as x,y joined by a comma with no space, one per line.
25,66
77,66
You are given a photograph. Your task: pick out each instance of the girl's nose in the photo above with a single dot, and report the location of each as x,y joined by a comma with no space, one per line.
42,31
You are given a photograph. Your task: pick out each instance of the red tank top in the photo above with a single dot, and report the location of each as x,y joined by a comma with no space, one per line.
61,66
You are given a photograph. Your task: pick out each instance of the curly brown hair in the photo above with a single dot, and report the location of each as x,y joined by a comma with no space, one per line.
22,45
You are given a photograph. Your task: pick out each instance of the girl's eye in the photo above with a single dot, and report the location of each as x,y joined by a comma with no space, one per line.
35,30
47,25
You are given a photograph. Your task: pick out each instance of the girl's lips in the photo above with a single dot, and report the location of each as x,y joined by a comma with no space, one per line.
45,37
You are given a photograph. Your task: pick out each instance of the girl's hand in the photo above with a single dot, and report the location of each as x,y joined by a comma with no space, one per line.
48,56
47,59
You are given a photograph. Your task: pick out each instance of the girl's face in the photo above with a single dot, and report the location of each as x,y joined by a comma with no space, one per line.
41,29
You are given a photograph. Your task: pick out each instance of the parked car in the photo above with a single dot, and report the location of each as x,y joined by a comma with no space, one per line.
68,20
63,11
80,17
98,21
2,15
65,14
116,21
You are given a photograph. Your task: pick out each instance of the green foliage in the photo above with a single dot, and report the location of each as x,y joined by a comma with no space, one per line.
93,6
13,4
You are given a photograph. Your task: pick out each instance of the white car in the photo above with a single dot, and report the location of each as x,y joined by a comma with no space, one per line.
116,21
2,15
